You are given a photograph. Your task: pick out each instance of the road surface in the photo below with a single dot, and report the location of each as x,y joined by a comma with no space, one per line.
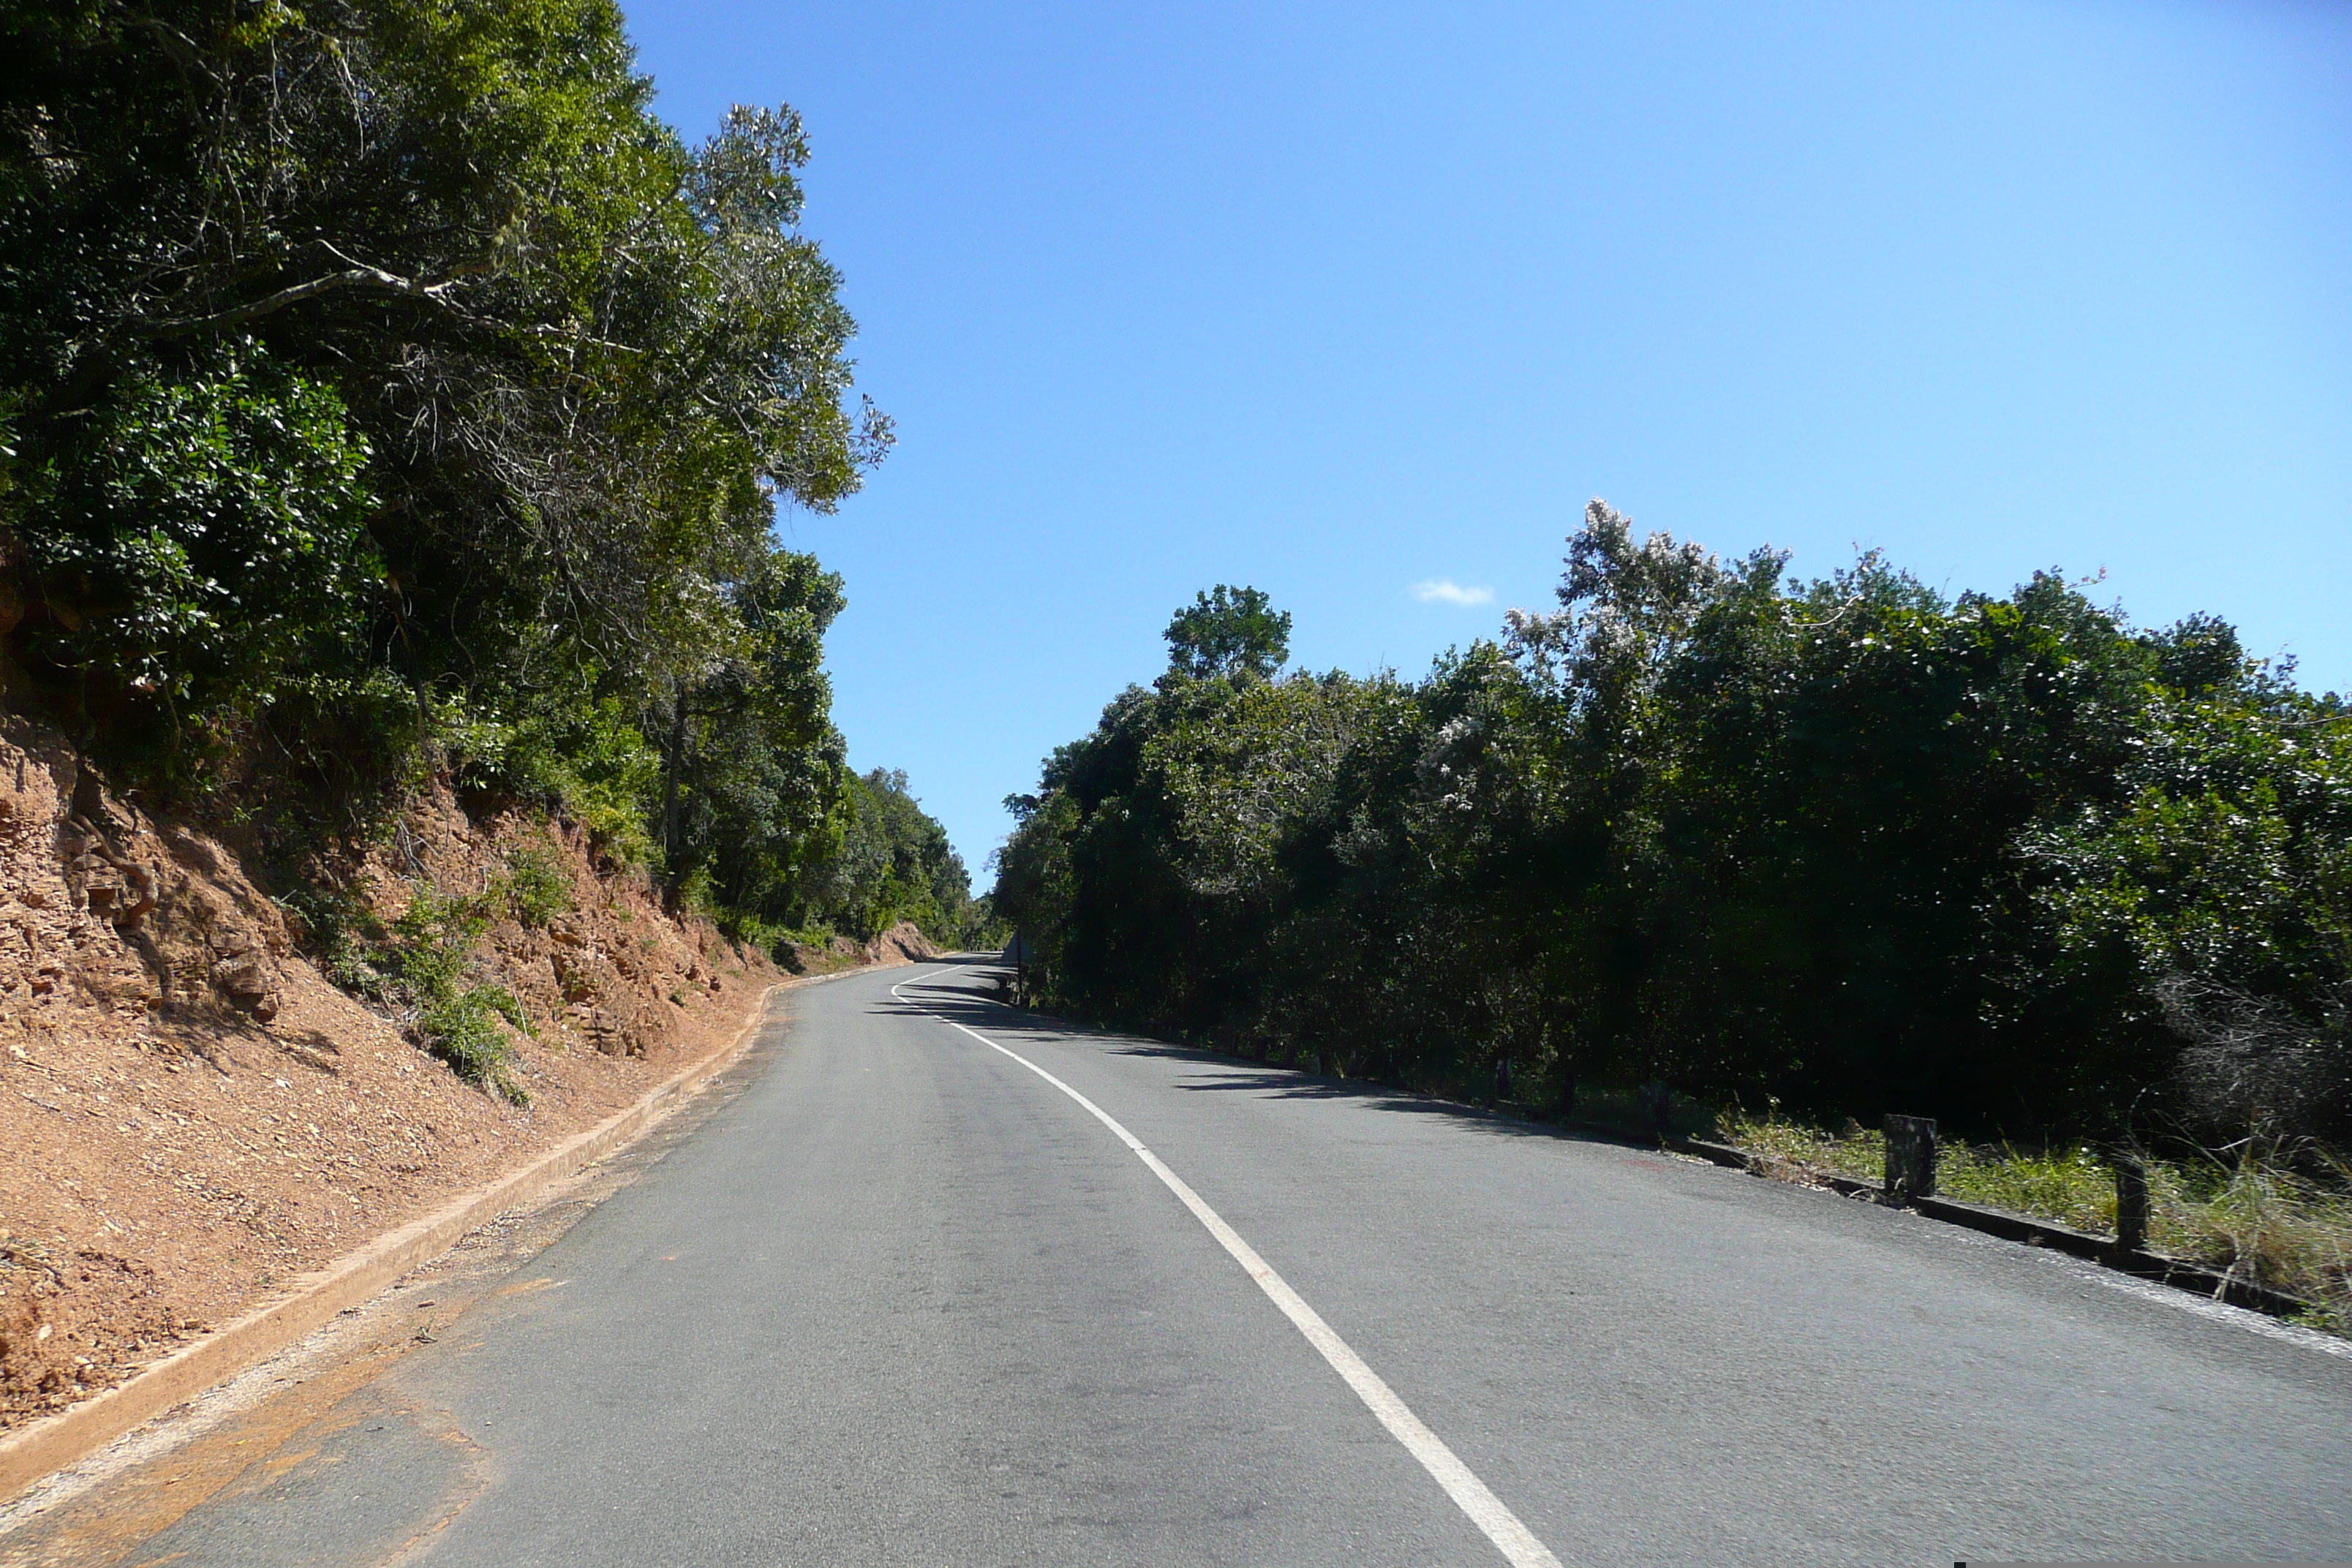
907,1300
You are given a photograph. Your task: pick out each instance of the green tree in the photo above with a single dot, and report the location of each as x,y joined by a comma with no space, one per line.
385,375
1229,631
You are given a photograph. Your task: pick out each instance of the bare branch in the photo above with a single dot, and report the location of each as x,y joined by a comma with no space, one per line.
358,274
569,335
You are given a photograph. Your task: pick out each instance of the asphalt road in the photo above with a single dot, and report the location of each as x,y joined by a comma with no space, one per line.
905,1302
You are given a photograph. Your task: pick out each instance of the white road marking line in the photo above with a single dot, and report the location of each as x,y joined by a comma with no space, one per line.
1517,1542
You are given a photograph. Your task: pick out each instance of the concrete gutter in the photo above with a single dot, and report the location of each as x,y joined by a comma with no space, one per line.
56,1441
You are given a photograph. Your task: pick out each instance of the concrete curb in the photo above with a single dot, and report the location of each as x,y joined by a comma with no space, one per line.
56,1441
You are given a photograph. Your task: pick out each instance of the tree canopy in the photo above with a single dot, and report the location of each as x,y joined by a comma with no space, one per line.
1231,632
384,386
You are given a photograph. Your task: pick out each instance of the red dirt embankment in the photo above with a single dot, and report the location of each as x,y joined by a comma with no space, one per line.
192,1113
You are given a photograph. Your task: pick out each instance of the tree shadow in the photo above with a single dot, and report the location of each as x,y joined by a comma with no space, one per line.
966,1004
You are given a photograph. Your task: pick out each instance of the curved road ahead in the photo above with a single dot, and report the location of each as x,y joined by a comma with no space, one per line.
904,1300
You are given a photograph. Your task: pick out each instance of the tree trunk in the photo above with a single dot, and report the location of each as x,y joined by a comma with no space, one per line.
669,773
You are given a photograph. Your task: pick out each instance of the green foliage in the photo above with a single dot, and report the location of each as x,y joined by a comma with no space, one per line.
584,756
2247,1211
889,861
982,928
423,960
343,936
1786,1146
2252,1212
2071,1186
459,1027
435,935
1848,843
755,779
536,888
201,534
387,391
1229,631
456,1018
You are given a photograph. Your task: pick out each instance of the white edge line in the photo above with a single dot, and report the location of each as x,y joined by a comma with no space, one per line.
1517,1542
2219,1311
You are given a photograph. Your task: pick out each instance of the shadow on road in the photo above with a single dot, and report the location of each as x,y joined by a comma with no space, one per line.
967,998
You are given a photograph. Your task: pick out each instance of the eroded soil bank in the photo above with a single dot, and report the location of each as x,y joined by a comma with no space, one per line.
193,1114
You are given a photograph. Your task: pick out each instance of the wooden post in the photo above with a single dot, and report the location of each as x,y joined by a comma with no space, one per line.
1018,952
1910,1158
2131,1204
1658,1100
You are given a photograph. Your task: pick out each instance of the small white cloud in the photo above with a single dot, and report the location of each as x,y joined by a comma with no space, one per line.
1445,590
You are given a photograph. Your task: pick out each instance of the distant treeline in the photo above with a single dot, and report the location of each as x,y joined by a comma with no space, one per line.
384,388
1843,842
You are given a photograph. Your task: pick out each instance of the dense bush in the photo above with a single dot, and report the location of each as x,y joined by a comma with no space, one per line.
2007,861
879,859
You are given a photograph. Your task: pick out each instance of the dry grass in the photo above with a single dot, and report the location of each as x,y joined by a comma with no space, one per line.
1792,1150
2255,1218
2247,1212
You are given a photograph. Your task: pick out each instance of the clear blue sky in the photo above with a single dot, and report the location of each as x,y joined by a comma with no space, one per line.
1341,299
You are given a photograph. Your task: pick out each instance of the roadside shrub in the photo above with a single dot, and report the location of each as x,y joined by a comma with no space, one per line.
535,887
436,932
343,936
201,537
461,1028
566,750
455,1020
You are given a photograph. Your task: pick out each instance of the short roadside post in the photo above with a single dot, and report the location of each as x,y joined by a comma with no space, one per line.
1658,1105
2131,1202
1016,953
1910,1158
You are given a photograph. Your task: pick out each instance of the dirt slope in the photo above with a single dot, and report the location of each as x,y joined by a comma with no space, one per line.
192,1114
